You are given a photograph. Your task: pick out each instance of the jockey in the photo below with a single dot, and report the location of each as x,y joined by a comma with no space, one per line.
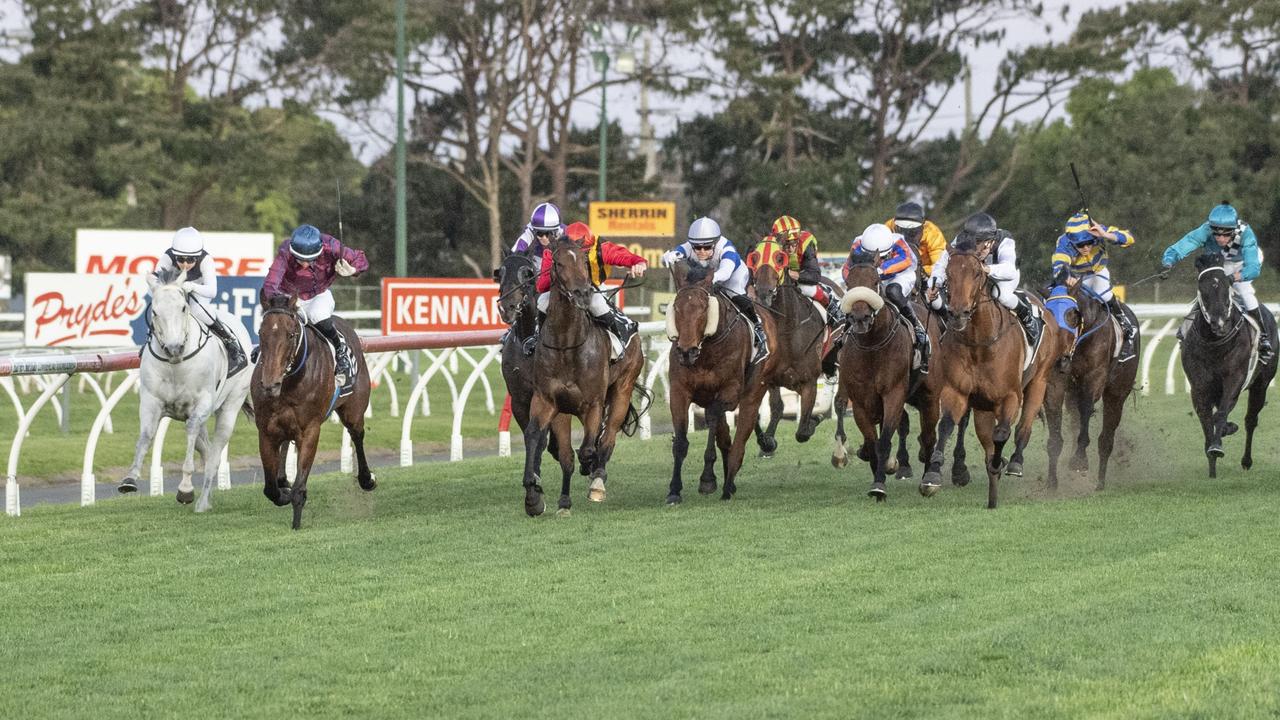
305,266
1000,261
710,249
200,283
1081,256
544,226
601,255
1233,238
802,247
922,236
897,264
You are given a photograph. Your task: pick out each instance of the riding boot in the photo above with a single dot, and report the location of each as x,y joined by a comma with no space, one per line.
236,360
344,359
835,315
618,324
1130,330
748,309
1265,352
895,296
531,342
1032,324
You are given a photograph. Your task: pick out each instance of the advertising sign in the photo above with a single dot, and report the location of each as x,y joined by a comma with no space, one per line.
632,219
126,252
73,310
414,305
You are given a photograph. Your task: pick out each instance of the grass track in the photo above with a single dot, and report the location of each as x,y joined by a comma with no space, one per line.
435,597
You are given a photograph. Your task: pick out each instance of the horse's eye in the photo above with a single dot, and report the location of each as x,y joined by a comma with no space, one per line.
753,259
780,258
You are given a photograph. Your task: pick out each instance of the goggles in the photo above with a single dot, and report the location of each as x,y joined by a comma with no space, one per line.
907,224
186,259
1223,232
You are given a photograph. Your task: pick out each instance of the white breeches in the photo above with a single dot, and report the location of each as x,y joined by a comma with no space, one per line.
1005,290
318,308
906,281
737,282
1099,283
598,305
1244,289
808,290
201,310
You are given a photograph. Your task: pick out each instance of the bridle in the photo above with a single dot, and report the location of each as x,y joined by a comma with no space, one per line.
1231,308
301,348
722,330
984,294
186,334
525,262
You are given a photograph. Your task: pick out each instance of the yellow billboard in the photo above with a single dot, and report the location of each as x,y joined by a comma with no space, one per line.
632,219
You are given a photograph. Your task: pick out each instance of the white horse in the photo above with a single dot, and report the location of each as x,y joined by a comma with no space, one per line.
183,376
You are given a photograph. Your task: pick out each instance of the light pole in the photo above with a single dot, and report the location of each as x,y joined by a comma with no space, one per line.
626,64
402,259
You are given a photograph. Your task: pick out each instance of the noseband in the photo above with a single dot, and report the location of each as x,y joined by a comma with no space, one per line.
186,334
296,363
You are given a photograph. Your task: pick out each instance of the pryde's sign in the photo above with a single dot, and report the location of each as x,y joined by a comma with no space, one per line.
73,310
129,252
412,305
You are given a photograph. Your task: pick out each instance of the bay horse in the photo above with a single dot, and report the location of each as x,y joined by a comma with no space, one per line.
293,394
984,349
797,335
516,306
877,377
1220,359
183,376
1092,373
709,364
573,376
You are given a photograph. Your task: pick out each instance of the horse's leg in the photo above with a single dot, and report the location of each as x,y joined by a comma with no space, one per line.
590,454
929,413
1006,414
149,414
562,439
864,416
269,449
953,408
985,427
959,470
679,440
541,413
1226,404
224,423
1112,410
1257,398
1032,401
807,423
724,440
903,471
1084,408
1053,399
352,418
748,414
840,454
890,421
715,418
769,441
306,456
195,427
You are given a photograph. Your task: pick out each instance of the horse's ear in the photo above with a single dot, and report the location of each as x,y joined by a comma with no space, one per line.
707,279
293,301
497,275
678,272
152,281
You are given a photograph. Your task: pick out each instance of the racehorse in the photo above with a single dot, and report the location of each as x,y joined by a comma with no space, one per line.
573,376
293,394
709,363
984,350
515,277
1093,373
876,375
1219,356
797,333
183,376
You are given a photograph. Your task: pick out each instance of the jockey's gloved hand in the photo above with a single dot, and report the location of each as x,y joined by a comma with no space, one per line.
189,286
671,257
1164,271
1060,277
343,268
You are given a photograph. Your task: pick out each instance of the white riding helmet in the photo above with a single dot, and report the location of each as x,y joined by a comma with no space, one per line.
187,241
878,238
704,232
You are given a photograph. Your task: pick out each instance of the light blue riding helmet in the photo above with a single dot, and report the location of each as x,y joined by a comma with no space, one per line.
1224,217
305,243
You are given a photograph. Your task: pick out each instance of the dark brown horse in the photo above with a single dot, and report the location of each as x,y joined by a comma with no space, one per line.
1219,359
710,352
516,296
573,376
293,393
982,351
1093,373
797,338
876,376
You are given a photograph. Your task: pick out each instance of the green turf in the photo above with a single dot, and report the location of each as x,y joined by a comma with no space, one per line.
434,596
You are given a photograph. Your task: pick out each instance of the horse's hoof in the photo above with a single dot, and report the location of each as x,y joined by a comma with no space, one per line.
768,444
904,473
930,483
533,504
960,475
369,484
839,461
891,465
1215,451
186,497
1246,462
595,493
127,485
563,512
878,492
765,454
706,487
674,499
1230,429
1080,465
1013,469
929,491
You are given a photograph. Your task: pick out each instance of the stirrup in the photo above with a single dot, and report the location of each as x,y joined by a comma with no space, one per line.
529,345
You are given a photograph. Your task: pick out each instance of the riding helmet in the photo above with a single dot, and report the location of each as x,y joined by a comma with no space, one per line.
187,241
545,218
580,234
786,226
1224,216
878,238
305,243
703,232
1077,229
981,227
908,216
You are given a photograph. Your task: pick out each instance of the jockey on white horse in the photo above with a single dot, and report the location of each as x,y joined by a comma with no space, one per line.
200,282
183,376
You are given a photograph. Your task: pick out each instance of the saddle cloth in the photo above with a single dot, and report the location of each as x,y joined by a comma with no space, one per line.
1190,318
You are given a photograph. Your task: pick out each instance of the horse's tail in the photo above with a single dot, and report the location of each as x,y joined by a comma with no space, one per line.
632,420
247,408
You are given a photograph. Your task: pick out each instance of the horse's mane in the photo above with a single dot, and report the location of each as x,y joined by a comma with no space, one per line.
965,244
1208,259
858,258
167,276
279,302
695,274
